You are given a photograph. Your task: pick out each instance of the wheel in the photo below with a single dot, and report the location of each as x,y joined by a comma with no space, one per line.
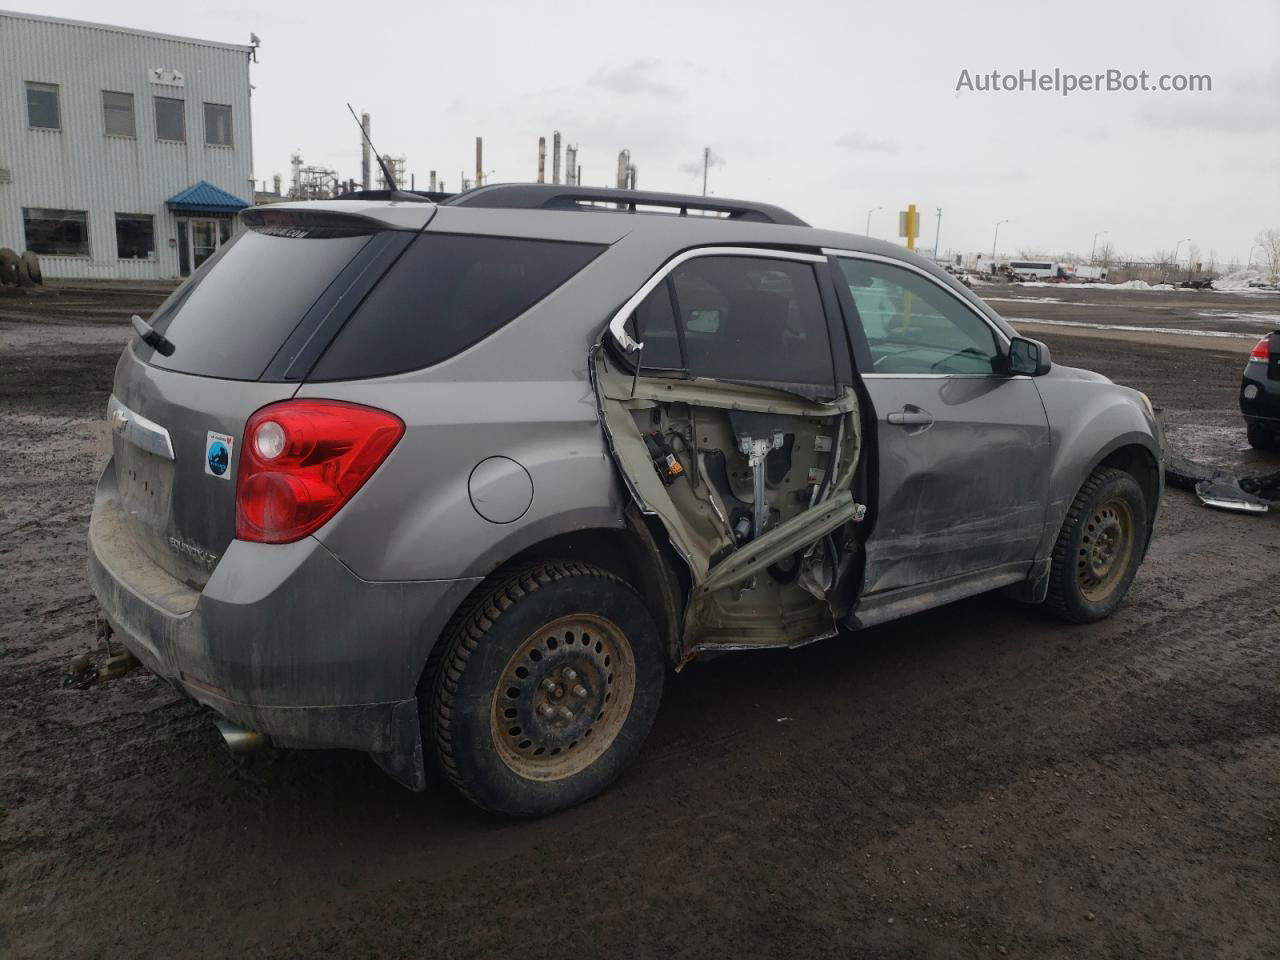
1260,438
33,268
547,687
1099,548
8,267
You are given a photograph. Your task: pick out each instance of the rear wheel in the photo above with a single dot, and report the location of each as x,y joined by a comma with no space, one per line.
1260,438
1099,548
546,689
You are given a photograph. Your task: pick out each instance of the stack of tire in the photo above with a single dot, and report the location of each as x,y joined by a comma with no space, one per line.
19,271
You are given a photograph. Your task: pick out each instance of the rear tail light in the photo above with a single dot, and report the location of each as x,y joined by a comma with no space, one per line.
302,460
1263,350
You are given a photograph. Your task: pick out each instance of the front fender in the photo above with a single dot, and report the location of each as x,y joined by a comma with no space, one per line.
1089,421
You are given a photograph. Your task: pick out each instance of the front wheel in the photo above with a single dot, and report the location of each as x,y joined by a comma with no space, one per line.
546,689
1099,548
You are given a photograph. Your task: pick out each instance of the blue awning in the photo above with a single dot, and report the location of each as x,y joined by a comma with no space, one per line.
204,197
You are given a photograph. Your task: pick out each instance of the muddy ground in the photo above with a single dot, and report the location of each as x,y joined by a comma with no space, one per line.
974,781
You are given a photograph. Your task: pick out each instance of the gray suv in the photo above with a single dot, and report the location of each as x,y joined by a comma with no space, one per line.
457,483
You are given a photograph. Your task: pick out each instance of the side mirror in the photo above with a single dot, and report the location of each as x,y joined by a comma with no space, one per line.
1028,358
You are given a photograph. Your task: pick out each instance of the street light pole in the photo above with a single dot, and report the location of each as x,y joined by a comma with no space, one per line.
1094,248
867,232
937,234
995,238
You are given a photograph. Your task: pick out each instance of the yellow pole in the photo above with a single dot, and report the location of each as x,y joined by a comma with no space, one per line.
912,230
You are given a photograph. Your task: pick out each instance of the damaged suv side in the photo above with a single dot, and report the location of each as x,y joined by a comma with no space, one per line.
535,445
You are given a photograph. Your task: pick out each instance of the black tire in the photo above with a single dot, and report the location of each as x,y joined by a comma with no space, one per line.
1259,437
1108,514
506,660
9,261
33,268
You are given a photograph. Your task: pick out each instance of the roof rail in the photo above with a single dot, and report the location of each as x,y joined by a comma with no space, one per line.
548,196
412,195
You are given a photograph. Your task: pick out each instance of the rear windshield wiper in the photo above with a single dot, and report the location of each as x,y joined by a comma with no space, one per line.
151,337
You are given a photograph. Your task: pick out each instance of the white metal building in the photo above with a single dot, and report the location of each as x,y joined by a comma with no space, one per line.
123,154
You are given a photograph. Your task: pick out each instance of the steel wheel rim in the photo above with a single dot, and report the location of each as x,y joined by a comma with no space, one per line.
563,697
1105,548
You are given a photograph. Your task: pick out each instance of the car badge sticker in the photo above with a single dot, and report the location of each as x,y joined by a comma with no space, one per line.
217,455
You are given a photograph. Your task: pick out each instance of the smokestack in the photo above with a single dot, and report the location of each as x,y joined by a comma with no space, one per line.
479,161
631,176
542,159
364,152
624,162
570,165
275,183
433,181
555,157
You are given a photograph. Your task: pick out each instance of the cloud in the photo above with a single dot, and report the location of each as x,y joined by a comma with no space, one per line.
694,167
1244,103
641,76
861,143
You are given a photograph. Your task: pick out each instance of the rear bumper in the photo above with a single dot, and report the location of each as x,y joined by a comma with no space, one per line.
283,639
1265,403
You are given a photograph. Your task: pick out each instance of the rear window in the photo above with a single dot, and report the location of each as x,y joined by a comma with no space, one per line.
445,293
229,320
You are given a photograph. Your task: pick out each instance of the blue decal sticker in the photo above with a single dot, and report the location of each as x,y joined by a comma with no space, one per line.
217,455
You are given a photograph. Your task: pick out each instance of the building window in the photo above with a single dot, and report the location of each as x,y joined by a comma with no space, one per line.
217,125
62,233
135,236
171,119
42,106
117,114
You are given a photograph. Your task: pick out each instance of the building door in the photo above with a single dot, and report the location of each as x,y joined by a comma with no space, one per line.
199,239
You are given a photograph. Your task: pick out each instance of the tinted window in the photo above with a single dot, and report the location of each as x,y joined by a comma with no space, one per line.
913,325
171,119
42,106
217,125
754,319
117,114
654,324
135,236
233,315
58,232
445,293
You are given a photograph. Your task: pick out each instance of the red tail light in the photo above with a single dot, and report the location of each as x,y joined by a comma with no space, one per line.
302,460
1263,350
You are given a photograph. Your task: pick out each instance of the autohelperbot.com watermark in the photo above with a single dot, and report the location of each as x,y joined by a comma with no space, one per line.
1065,82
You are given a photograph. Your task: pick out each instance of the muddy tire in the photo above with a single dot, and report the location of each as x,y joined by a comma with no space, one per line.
9,261
546,689
1259,437
32,263
1099,547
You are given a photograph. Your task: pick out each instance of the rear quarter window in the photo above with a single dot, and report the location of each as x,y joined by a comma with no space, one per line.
446,293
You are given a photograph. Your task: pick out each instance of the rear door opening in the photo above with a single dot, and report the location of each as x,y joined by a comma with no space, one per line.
735,425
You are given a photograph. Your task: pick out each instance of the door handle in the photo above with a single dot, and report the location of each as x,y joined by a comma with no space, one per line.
910,416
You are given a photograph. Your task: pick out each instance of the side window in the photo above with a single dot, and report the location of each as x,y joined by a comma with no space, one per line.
913,325
753,319
654,324
445,293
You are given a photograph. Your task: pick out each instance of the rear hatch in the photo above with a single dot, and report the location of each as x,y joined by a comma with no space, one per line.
244,331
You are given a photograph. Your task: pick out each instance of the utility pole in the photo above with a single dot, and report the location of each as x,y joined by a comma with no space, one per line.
706,162
1094,248
994,239
867,232
479,161
937,234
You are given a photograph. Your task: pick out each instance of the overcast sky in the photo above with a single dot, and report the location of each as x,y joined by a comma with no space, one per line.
828,109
